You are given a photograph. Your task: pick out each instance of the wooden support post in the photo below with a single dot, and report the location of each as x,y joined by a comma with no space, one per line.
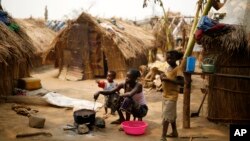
186,100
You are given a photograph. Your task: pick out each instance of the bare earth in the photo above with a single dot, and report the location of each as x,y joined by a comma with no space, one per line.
56,118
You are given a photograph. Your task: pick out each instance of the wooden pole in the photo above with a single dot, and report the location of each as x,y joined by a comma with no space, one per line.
188,52
191,40
186,100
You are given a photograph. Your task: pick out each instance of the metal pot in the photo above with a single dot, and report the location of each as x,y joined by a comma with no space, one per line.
84,116
207,65
208,68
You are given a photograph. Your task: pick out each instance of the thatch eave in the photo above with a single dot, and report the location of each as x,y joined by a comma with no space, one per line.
131,41
231,42
14,45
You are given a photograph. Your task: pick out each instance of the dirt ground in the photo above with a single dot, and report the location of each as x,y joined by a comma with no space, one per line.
56,118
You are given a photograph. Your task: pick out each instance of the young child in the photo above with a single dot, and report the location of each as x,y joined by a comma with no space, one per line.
109,84
170,85
133,102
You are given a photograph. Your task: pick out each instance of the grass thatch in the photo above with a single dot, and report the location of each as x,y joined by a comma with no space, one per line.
41,37
123,48
14,45
16,50
232,41
132,41
229,96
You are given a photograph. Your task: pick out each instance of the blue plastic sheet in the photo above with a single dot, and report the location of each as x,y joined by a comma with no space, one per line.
4,17
206,23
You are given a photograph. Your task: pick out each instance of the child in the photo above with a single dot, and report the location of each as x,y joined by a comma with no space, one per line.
134,101
109,84
170,81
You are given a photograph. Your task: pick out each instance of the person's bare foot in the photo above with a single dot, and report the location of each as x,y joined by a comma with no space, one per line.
173,135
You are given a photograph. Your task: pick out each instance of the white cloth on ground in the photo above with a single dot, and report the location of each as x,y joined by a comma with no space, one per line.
64,101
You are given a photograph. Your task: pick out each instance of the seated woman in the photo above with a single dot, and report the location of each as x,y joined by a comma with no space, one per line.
132,101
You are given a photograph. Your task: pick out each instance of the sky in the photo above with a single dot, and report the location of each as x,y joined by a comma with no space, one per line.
126,9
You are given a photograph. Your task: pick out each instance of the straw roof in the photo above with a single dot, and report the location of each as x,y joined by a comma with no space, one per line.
124,45
14,45
131,41
40,35
231,42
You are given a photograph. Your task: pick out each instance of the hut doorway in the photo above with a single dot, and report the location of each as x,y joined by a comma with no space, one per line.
97,55
76,53
105,64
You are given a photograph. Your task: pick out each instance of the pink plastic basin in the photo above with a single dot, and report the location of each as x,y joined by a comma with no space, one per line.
134,127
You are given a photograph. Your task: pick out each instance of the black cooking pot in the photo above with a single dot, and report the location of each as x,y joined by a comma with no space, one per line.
84,116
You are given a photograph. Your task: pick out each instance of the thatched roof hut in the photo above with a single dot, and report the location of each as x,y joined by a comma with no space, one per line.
229,91
41,37
16,50
87,48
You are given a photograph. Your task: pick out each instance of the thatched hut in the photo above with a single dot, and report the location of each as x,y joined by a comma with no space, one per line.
41,37
87,48
16,50
229,91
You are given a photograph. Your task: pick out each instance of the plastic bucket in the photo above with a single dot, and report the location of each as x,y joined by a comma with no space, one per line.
190,67
134,127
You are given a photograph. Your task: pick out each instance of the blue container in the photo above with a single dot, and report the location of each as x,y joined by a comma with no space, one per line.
190,67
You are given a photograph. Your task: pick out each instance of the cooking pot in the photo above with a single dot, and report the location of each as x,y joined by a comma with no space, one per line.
207,65
84,116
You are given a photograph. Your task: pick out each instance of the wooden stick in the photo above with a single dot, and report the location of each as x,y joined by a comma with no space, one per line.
233,76
193,137
186,100
188,52
22,135
223,89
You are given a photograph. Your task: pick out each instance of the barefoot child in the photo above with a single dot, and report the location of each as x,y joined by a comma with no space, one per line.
109,84
170,81
133,101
